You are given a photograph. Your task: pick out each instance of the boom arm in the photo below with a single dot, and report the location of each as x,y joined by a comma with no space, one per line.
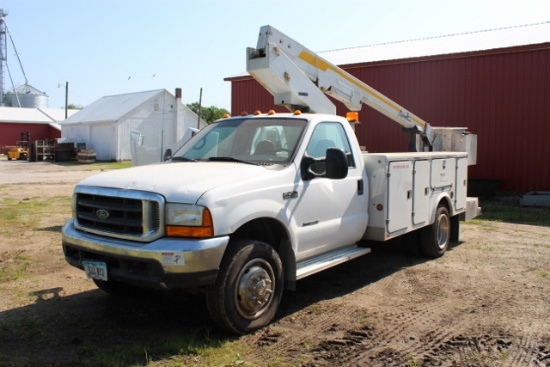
299,79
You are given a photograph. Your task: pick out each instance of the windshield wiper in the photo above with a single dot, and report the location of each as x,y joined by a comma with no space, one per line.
183,159
231,159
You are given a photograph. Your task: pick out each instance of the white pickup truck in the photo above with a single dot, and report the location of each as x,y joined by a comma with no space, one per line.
253,203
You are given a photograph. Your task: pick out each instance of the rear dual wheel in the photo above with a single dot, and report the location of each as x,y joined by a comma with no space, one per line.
249,287
435,239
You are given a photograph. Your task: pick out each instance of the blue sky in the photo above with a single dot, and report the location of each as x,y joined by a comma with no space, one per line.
108,47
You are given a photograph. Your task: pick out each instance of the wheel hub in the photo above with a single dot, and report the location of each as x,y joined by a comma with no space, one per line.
443,230
255,288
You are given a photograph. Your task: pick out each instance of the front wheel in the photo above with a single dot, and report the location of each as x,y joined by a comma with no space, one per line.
436,237
249,287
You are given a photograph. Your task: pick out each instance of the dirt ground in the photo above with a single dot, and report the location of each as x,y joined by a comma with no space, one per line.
485,303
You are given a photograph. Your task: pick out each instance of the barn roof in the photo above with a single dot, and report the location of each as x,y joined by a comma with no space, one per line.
525,35
112,108
50,116
492,39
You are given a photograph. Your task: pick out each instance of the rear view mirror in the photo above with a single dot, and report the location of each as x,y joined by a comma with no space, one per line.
337,163
333,166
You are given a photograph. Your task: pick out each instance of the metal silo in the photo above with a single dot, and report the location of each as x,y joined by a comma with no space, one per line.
27,96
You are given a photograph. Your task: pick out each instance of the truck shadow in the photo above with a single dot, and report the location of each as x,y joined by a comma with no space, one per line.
385,259
65,329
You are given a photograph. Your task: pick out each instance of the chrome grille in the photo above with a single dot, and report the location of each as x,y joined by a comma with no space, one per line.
122,214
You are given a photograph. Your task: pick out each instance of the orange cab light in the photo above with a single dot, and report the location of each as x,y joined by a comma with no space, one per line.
352,116
226,115
271,112
257,112
244,113
297,112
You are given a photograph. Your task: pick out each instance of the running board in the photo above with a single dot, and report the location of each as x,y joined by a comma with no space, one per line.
325,261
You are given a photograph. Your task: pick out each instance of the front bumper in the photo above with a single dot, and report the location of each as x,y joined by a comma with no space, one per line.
164,263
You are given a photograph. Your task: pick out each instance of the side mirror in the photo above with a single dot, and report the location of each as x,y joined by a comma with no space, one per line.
337,164
167,155
333,166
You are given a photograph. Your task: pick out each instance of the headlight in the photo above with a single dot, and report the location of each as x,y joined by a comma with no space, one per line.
185,220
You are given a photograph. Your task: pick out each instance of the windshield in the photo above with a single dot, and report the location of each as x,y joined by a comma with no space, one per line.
254,140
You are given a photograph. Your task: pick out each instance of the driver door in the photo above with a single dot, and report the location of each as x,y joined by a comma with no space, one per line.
330,213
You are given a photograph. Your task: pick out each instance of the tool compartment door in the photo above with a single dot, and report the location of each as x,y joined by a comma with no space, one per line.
461,183
400,182
421,197
443,173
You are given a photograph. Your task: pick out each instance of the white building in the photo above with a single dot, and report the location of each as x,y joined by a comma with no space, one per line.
125,125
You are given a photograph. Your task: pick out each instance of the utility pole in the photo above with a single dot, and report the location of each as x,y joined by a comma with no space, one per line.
66,98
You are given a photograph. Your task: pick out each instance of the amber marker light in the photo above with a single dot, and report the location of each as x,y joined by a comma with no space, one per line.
297,112
271,112
352,116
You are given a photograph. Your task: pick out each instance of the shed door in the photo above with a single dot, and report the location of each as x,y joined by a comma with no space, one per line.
103,140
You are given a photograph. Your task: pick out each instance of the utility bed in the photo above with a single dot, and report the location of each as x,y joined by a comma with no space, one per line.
405,187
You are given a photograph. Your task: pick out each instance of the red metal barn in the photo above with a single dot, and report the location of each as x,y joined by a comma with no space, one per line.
41,124
496,83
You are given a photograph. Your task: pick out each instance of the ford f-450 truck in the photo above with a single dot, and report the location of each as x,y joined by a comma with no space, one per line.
253,203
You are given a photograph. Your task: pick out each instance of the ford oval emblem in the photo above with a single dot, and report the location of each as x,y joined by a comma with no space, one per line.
102,213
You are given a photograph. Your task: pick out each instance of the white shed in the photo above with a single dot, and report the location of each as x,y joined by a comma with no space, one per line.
115,126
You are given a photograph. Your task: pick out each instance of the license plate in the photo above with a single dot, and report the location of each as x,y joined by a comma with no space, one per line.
95,269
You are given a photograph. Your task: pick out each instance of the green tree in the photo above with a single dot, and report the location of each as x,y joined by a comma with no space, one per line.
208,114
72,106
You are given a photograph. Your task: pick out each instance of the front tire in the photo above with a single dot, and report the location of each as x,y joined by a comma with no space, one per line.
435,238
249,287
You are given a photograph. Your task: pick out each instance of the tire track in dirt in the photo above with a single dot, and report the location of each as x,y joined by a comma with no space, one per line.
434,329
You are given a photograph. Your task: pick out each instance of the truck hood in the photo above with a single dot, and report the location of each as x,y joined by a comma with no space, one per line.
179,182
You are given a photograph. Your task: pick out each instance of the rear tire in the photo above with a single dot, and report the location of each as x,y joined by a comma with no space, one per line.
248,289
435,239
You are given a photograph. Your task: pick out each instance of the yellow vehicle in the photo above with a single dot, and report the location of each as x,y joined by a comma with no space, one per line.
19,153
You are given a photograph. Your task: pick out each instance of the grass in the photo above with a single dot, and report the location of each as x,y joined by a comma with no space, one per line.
17,216
412,361
13,267
505,208
194,348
